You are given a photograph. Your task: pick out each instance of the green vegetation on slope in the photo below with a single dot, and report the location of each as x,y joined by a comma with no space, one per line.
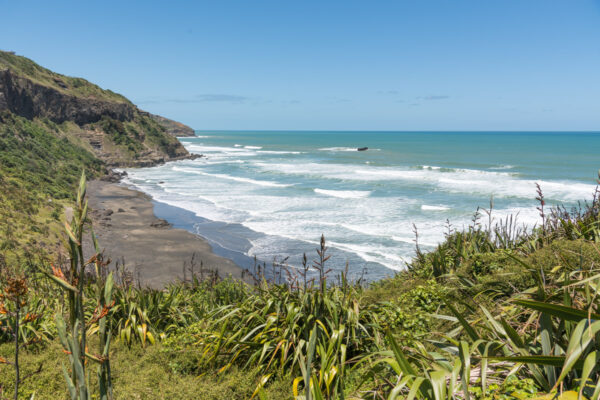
40,156
39,168
490,314
138,374
129,141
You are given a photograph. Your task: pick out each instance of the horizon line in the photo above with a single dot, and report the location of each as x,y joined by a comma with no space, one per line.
398,131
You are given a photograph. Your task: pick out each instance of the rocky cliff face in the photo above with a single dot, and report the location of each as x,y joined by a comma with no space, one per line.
107,124
29,99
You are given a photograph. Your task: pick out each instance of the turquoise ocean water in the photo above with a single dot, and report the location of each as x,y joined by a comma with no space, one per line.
272,194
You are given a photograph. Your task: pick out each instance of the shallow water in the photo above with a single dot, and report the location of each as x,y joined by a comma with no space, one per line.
282,190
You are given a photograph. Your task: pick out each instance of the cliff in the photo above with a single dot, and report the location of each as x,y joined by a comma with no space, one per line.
104,122
30,99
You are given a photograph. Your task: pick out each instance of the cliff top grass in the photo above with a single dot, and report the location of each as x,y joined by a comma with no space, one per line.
77,87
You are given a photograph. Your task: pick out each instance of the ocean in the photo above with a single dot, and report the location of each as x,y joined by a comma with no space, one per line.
271,195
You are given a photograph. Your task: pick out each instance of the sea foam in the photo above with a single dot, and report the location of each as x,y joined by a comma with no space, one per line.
344,194
425,207
339,149
298,189
233,178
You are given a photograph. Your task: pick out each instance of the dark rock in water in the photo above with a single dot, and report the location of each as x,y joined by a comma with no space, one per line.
160,223
120,210
362,149
108,212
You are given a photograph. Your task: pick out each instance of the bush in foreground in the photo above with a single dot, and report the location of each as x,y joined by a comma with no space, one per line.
491,313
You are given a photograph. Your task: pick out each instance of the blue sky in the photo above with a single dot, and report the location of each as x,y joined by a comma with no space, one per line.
337,65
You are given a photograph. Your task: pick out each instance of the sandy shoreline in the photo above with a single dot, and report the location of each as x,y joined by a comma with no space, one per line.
127,228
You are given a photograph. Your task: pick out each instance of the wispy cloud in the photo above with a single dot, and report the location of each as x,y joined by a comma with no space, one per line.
337,100
230,98
434,97
389,92
200,98
396,93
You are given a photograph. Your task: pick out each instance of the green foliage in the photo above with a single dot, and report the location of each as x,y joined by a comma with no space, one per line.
547,333
271,327
137,374
155,135
72,281
40,160
511,388
39,170
119,134
35,326
36,156
145,316
409,315
133,138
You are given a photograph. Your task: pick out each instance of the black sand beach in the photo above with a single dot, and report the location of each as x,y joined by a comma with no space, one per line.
127,229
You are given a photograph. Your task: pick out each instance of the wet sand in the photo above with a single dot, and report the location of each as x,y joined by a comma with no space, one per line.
127,228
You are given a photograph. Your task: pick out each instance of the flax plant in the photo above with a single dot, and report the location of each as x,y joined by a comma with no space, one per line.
73,333
549,333
15,294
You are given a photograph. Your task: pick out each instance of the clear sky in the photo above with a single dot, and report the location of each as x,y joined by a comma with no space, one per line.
336,65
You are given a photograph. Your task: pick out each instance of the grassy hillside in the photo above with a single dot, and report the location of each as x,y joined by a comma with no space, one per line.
40,164
492,313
